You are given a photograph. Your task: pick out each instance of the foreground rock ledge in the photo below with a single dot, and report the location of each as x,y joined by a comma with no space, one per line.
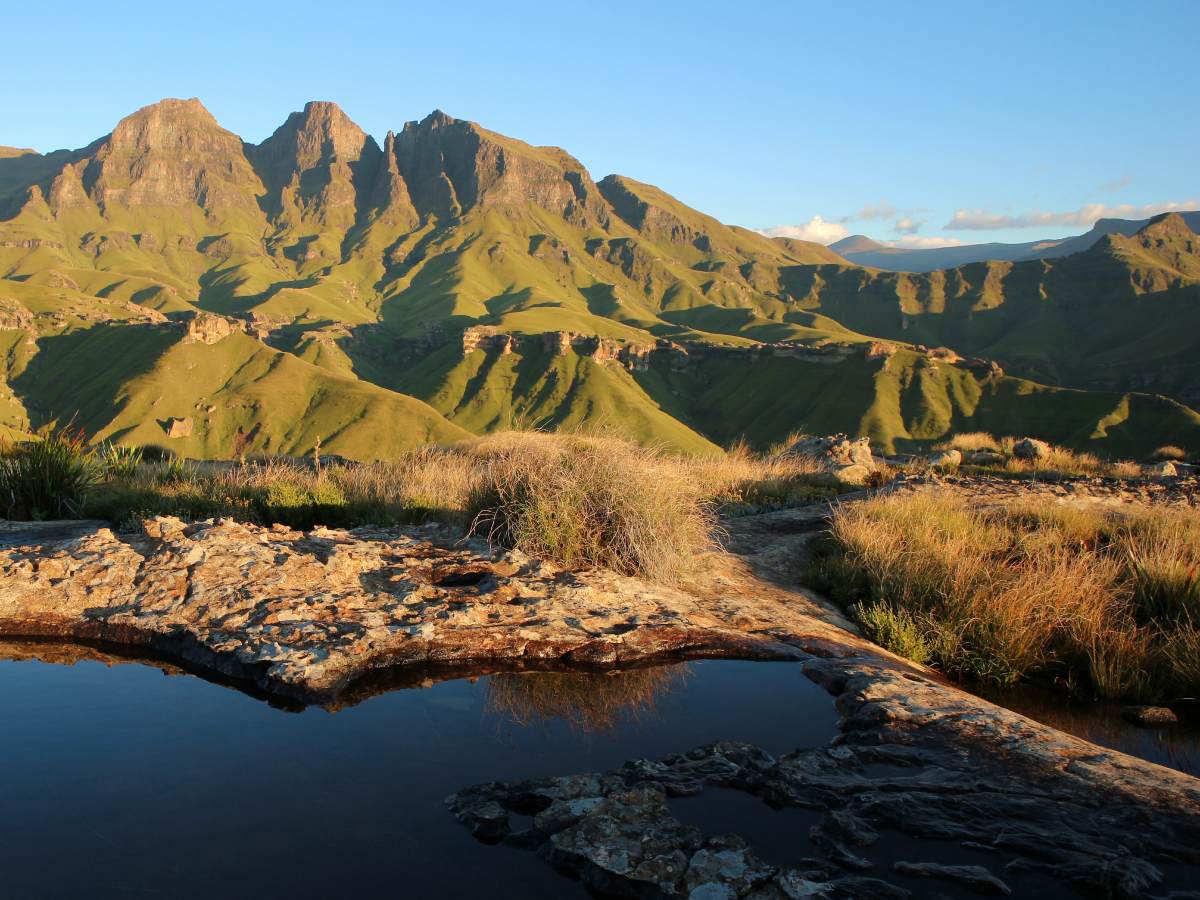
304,614
927,792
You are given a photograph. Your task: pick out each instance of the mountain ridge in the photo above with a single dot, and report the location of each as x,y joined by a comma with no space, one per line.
458,278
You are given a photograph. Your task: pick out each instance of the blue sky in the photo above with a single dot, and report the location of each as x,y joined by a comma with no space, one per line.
963,121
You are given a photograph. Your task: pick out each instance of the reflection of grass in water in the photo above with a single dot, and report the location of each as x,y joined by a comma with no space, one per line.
589,702
1177,746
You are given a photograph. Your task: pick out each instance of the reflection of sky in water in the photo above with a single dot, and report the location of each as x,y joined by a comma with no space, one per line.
118,780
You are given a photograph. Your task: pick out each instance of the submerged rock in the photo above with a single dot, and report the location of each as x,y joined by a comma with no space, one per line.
1149,715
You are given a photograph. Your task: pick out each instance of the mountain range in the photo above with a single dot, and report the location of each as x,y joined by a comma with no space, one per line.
860,249
172,284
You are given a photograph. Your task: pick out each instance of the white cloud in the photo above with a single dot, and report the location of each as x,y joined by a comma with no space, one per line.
1084,217
908,225
815,229
880,210
1117,184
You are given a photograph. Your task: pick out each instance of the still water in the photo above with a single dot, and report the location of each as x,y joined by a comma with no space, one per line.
120,782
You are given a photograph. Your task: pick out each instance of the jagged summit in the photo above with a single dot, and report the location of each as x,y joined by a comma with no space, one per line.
1170,224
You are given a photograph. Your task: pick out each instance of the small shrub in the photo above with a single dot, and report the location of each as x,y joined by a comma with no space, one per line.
970,441
893,629
1103,598
47,477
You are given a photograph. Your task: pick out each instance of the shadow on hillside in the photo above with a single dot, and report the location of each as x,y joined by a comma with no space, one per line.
81,373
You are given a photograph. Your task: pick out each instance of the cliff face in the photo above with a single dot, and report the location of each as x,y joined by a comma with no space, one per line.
316,165
170,154
453,166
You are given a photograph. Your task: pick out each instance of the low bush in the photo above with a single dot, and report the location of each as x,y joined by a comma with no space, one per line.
1108,599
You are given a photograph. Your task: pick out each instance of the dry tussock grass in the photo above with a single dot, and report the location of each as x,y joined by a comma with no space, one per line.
1096,597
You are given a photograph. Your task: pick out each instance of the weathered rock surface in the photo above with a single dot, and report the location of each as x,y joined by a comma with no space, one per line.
920,770
304,614
1031,449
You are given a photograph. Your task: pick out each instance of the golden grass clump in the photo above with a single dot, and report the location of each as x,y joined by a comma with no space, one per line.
590,501
1106,598
1171,453
970,441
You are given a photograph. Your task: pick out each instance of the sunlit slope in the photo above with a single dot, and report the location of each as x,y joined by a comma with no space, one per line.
1123,314
907,402
130,384
538,389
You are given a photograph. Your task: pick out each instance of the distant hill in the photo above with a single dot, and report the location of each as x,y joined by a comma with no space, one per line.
170,283
863,251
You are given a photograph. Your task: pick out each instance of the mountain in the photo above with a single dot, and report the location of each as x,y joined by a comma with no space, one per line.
863,251
1123,315
170,283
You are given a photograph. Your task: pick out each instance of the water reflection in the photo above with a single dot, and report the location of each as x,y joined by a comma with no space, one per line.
1175,746
590,703
118,781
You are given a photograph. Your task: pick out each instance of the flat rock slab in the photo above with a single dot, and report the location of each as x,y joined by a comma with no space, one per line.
304,614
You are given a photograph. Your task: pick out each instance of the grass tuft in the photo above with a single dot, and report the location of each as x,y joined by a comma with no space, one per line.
591,501
1087,595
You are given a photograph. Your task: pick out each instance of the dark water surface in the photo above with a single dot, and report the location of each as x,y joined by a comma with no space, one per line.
1175,746
117,781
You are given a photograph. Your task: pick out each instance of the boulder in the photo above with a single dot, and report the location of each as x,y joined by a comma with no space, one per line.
855,475
946,459
1164,469
834,451
179,428
1031,449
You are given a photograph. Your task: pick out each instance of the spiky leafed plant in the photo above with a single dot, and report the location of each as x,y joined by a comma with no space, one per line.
48,476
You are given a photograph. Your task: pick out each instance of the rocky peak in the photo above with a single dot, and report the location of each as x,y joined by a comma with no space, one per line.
166,125
452,165
171,153
1166,225
313,164
319,134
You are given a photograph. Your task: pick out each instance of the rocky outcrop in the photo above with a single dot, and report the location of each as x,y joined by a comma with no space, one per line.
849,460
920,772
305,614
487,339
206,328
